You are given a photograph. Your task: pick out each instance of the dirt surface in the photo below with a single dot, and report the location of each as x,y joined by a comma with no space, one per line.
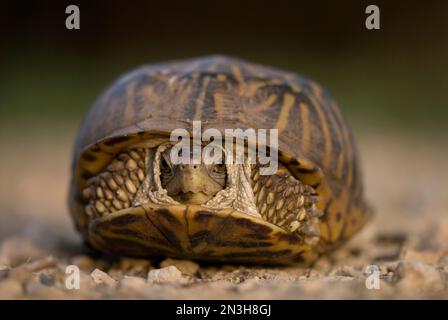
406,181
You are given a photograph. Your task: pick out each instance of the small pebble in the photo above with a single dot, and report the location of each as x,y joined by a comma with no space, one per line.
185,266
47,279
135,267
100,277
169,274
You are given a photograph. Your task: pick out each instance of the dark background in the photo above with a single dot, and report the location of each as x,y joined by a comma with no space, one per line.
388,80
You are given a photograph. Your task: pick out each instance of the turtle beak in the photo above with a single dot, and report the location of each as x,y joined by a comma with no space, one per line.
191,178
192,184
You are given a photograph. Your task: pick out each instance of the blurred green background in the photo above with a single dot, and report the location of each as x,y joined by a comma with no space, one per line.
392,80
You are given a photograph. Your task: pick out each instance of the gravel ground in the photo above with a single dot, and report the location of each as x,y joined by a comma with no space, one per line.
407,240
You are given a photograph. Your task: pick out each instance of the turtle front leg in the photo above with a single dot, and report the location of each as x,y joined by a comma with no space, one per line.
283,200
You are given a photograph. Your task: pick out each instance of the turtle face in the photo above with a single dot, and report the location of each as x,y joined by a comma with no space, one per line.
191,183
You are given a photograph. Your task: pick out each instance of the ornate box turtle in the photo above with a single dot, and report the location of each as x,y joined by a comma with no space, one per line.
128,198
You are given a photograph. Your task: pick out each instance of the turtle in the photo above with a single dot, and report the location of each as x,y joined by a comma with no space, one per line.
127,197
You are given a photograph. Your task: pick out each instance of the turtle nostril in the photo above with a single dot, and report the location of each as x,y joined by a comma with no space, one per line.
195,167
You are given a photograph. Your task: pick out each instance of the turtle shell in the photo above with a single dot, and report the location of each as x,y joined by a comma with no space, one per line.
315,142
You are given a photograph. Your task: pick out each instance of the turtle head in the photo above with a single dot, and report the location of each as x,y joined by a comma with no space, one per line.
191,183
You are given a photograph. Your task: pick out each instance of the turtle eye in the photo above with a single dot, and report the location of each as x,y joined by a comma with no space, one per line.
165,168
219,168
218,173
